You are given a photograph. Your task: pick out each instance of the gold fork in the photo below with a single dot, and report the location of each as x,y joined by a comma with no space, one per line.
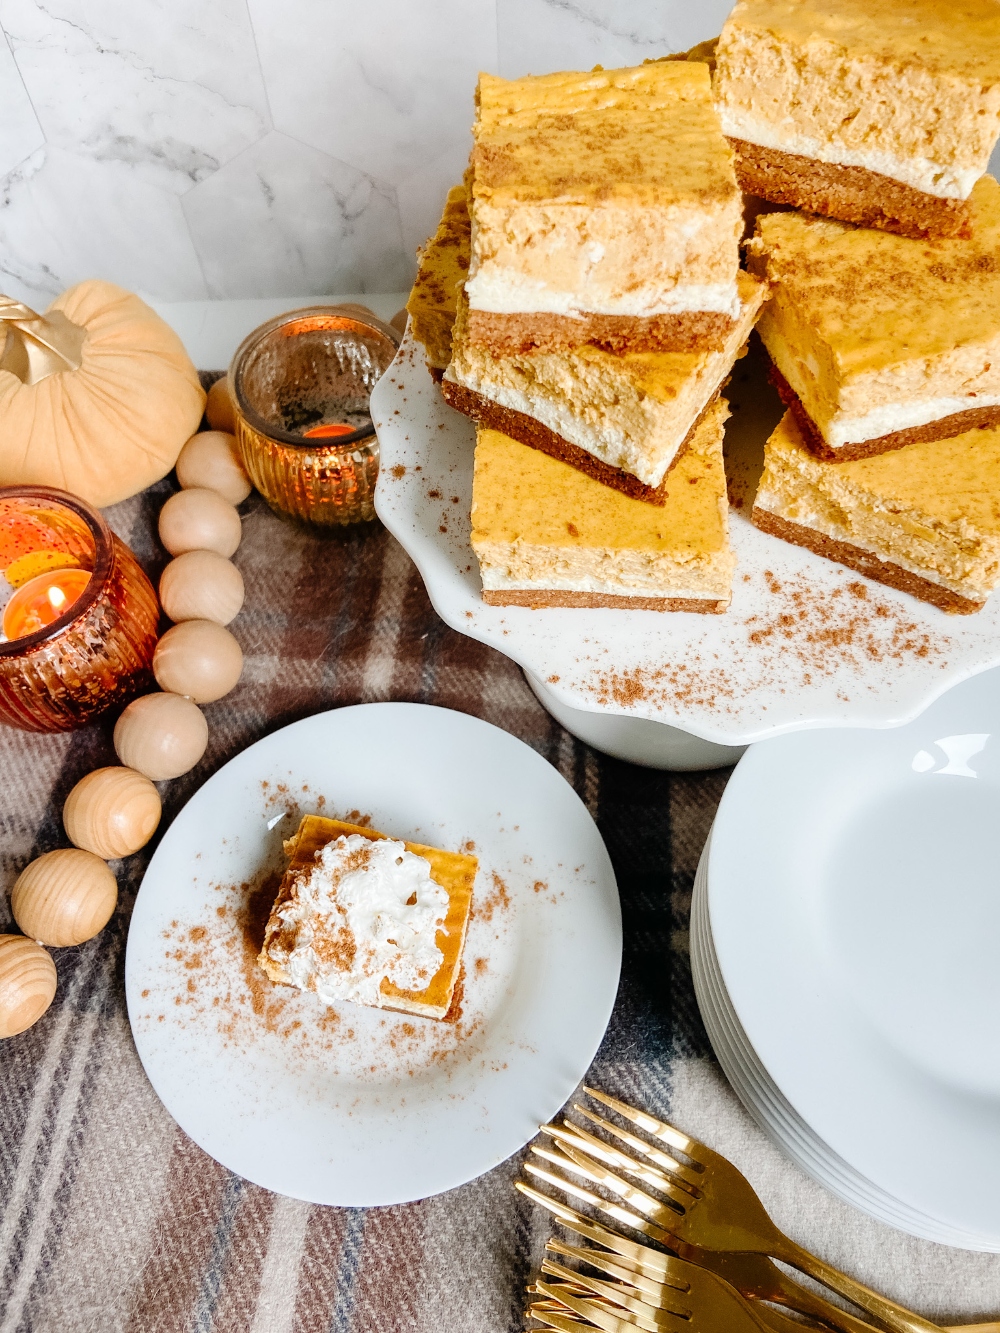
693,1301
722,1212
753,1274
636,1299
691,1294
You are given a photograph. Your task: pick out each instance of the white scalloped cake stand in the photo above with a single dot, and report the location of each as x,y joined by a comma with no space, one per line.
806,643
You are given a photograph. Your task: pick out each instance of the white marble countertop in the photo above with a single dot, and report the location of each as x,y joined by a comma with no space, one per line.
212,330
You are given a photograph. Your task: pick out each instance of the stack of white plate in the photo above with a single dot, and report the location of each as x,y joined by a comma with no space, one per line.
845,942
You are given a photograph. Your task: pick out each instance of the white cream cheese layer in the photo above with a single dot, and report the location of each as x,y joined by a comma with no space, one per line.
496,581
944,182
367,910
501,292
886,420
647,458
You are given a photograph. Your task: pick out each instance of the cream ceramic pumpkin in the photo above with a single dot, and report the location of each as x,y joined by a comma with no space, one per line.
97,396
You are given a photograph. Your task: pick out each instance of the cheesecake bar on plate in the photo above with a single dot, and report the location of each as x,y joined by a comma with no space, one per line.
364,917
442,266
546,534
880,341
623,419
871,111
605,209
925,519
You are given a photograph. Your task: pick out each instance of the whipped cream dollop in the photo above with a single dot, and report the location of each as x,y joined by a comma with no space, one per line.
367,909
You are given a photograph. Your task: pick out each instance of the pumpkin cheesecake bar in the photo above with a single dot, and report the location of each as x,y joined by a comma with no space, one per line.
442,265
364,917
925,519
869,111
605,210
548,535
622,419
880,341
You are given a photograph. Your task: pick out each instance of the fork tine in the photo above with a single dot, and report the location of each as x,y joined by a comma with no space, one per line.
614,1266
638,1198
556,1317
649,1262
686,1175
592,1173
626,1296
612,1156
658,1128
621,1321
603,1205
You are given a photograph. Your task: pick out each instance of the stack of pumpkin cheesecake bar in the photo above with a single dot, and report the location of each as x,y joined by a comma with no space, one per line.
583,302
602,310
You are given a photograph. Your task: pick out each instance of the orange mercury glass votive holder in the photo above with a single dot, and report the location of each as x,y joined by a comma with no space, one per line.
98,651
301,385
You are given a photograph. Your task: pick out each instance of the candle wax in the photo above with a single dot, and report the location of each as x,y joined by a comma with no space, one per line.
328,432
42,600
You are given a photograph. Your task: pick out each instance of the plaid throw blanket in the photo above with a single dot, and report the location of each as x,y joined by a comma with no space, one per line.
112,1220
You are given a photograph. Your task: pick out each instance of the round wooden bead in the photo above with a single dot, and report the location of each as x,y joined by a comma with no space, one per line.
199,659
112,812
161,735
64,897
27,983
199,520
210,459
219,408
201,585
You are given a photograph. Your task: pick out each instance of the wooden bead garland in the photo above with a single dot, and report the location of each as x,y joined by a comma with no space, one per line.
161,735
209,460
219,408
64,897
201,585
112,812
199,520
27,983
198,659
67,896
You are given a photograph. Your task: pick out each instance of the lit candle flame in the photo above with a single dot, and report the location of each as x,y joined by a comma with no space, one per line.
57,597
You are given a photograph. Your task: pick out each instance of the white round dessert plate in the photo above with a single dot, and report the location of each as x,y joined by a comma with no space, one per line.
351,1105
805,643
854,908
770,1109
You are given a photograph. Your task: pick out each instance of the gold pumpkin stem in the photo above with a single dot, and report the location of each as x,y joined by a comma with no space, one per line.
35,346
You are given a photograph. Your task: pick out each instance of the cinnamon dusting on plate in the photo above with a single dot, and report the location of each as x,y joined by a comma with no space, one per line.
847,629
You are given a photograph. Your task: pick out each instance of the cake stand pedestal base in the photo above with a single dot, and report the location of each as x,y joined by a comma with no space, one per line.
636,739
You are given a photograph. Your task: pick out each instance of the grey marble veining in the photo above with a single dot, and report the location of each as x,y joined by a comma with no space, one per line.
65,216
378,85
238,148
536,36
285,219
20,132
171,89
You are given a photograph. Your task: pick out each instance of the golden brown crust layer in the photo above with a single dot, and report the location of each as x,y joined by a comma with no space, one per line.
537,598
528,431
945,428
852,194
864,562
516,334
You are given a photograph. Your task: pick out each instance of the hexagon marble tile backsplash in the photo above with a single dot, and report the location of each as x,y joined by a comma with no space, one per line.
194,149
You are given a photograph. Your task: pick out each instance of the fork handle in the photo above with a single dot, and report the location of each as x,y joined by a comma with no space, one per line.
888,1313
